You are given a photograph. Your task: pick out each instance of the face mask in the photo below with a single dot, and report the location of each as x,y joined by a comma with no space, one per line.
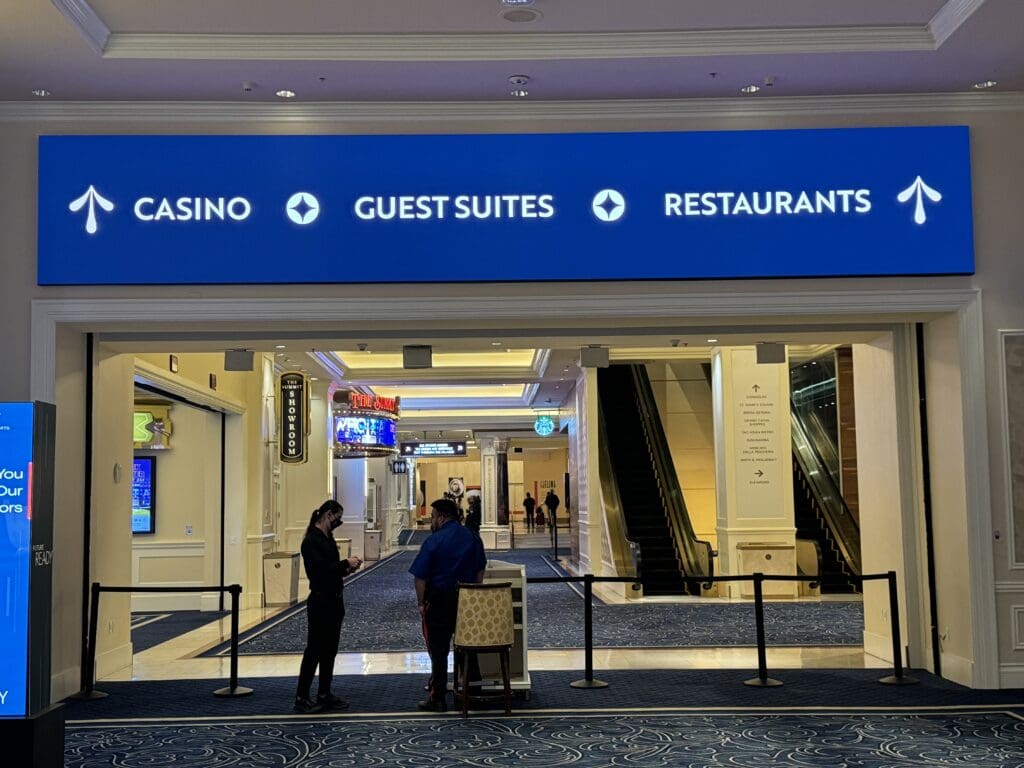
335,523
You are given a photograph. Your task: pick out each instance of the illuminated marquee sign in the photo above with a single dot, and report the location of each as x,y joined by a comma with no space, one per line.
293,417
415,448
366,403
691,205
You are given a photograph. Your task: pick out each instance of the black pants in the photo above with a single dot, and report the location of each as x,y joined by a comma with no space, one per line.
440,623
324,614
529,521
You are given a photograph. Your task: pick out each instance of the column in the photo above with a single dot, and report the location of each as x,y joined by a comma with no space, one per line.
351,477
753,460
494,492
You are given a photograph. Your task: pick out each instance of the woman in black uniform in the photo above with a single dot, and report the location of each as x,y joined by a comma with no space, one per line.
325,607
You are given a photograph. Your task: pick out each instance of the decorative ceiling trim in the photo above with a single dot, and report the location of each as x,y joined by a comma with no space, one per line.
950,17
501,46
508,114
89,25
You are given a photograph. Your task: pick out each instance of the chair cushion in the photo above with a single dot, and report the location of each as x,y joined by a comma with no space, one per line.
484,617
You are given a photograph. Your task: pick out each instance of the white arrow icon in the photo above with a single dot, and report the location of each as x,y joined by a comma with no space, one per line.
93,198
920,189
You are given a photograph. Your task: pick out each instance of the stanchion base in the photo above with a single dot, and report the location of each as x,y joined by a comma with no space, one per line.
893,680
88,695
238,690
757,682
588,684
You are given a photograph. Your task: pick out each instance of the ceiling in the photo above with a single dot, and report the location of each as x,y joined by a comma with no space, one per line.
473,386
466,50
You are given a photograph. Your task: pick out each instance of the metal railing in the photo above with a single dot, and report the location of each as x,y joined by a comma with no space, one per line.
898,677
89,692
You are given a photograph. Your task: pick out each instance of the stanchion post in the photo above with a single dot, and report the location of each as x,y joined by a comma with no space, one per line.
762,680
897,677
234,689
588,680
89,691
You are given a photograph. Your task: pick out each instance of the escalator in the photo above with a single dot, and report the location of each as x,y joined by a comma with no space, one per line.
651,499
822,514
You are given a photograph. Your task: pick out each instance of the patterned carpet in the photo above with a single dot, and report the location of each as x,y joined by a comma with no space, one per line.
607,740
150,629
381,616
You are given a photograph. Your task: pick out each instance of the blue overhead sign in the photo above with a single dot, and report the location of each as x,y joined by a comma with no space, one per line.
16,443
540,207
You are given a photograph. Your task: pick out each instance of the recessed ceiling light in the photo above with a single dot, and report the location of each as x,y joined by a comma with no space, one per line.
518,79
712,341
43,93
280,346
519,93
986,84
516,3
495,343
284,93
313,378
750,88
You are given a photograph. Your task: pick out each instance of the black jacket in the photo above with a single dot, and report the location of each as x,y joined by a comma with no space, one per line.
324,567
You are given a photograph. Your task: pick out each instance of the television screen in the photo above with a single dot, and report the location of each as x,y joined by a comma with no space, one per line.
365,431
143,494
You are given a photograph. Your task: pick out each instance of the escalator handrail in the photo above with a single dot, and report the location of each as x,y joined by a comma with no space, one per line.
697,554
833,506
611,500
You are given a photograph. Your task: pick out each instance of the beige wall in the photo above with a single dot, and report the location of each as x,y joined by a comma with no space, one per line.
878,467
111,505
684,404
949,498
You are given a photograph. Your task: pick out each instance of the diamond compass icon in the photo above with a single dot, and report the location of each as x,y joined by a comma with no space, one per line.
302,208
608,205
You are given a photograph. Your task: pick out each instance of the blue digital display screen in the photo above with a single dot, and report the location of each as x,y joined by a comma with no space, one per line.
365,431
525,207
143,494
16,424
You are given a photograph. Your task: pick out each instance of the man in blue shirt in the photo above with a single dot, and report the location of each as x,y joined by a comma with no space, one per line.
450,555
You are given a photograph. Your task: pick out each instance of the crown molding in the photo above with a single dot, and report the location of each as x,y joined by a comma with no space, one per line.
506,113
530,46
950,17
84,19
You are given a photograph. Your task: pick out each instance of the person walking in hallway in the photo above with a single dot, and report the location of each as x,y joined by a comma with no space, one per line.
551,501
450,555
325,607
529,503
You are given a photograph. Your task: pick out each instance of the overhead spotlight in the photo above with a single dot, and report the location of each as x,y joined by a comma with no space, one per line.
518,80
280,346
284,93
519,93
42,93
985,84
750,88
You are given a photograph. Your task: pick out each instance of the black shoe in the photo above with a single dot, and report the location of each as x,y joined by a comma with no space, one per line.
330,701
432,706
306,707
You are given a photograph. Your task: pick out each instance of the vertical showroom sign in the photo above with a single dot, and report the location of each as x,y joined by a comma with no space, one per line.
293,417
26,556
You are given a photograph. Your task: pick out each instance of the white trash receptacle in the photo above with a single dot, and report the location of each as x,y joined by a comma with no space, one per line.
281,578
371,545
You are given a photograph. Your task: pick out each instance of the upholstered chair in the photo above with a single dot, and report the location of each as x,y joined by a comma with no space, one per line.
483,624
